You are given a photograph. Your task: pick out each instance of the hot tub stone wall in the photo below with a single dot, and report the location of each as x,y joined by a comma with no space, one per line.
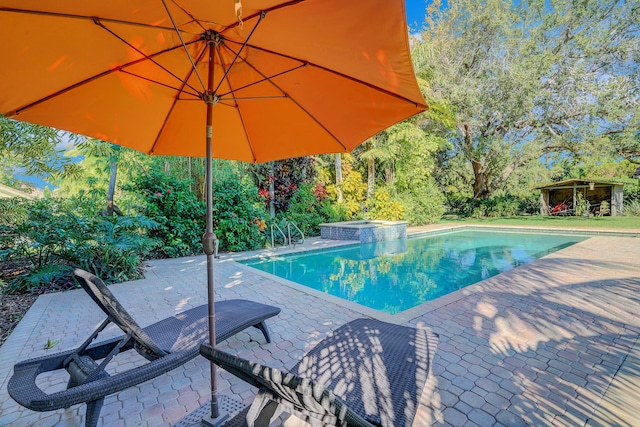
364,231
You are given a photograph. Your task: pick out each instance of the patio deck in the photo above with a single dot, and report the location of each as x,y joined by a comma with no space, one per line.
554,342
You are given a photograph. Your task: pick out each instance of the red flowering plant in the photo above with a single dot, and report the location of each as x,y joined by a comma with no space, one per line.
286,176
320,192
263,193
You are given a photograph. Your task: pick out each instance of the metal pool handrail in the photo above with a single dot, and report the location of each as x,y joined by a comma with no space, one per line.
291,242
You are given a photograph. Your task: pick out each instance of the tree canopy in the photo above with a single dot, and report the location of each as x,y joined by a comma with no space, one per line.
530,78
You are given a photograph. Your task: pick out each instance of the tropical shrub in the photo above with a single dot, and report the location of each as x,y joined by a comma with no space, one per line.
632,192
497,206
306,210
179,215
41,247
238,214
423,205
353,190
334,212
382,207
287,177
632,208
112,248
582,205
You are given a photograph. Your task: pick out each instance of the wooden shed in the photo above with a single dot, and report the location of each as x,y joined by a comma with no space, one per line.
595,191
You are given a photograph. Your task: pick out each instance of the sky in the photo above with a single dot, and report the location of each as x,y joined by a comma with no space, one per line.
415,13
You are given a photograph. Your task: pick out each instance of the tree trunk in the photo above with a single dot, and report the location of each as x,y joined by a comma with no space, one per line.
272,191
190,174
480,189
371,177
480,178
112,187
339,176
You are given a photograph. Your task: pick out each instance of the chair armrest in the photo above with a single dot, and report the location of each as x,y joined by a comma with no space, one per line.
23,389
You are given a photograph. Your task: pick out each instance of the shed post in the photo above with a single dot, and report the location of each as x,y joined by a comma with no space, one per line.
544,202
617,200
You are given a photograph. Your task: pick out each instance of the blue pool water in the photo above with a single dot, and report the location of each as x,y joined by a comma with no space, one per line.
397,275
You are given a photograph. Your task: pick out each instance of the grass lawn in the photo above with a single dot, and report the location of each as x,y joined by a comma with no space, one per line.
628,222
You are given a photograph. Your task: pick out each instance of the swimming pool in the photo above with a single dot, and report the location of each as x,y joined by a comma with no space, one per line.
397,275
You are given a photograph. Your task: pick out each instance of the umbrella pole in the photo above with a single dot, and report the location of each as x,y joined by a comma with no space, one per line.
208,243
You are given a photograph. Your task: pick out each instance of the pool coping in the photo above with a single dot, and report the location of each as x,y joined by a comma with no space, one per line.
427,306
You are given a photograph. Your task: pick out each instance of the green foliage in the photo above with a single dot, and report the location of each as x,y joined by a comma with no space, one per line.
632,192
382,207
42,244
112,248
423,204
35,148
238,213
334,212
49,276
582,205
91,182
632,208
306,211
180,217
494,207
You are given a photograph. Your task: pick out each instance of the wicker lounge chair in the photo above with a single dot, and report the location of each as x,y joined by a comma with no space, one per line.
367,373
166,344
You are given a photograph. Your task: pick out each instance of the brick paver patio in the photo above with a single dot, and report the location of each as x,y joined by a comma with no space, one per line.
554,342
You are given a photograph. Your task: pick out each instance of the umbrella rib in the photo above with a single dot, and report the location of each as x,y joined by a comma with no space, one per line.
73,16
311,116
253,98
235,103
99,23
88,80
337,73
173,105
264,79
186,51
181,90
186,12
239,52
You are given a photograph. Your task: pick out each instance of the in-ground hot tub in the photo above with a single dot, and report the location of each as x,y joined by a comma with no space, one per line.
366,231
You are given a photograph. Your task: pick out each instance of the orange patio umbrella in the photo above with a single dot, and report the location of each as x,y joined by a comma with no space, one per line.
255,81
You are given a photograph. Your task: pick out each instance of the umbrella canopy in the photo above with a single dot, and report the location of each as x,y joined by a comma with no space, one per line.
293,78
288,79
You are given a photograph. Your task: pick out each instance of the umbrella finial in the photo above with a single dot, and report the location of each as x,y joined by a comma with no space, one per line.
238,8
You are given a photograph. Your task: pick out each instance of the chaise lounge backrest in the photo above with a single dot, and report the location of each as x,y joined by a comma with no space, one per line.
299,395
365,373
100,293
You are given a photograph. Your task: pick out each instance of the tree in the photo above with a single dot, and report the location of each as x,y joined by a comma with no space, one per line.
530,78
36,149
98,170
338,168
376,149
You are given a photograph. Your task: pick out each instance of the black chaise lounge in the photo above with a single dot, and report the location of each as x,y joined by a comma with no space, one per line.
166,344
367,373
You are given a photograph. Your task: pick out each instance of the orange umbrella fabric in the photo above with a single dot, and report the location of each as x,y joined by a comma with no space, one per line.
315,76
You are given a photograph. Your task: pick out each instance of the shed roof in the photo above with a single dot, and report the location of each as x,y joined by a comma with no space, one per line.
578,181
6,192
